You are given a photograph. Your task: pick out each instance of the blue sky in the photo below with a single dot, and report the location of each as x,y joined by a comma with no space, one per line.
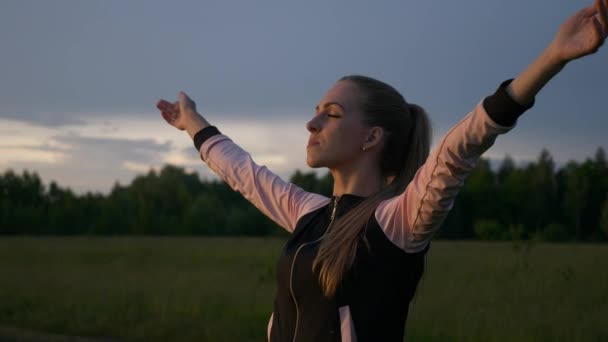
80,79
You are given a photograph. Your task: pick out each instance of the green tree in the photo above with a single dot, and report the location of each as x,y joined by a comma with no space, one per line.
506,168
512,193
305,180
23,202
482,187
600,160
576,192
604,218
325,185
205,215
530,202
541,198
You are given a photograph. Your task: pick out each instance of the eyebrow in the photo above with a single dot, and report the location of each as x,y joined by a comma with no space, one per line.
330,104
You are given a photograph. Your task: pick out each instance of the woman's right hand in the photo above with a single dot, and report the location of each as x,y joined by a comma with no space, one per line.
182,114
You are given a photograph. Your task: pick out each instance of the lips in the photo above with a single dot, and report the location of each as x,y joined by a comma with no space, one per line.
312,142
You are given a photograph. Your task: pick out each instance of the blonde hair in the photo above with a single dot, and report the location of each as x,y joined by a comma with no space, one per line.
407,132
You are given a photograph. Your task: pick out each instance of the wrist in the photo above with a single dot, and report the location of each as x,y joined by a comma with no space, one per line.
553,58
194,123
524,87
551,63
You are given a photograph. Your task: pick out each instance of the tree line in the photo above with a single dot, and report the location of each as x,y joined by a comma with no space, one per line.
532,202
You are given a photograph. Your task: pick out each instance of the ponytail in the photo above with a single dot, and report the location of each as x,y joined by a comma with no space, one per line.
419,144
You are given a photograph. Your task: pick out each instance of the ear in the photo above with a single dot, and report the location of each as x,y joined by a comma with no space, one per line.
373,139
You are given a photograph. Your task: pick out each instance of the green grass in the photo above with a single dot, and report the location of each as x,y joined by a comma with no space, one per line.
221,289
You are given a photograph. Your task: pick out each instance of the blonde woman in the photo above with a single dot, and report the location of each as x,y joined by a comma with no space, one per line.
353,261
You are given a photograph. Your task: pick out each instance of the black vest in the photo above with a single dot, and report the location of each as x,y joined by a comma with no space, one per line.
377,288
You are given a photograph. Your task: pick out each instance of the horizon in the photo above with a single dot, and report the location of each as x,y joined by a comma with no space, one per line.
495,165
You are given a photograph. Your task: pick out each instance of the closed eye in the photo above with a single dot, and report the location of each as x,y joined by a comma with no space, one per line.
330,107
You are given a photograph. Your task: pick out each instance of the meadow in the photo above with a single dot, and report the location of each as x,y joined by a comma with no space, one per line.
221,289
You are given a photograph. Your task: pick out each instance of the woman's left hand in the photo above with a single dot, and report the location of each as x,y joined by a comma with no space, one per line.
583,33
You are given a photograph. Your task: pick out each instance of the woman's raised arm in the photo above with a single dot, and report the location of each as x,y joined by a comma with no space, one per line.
411,219
281,201
580,35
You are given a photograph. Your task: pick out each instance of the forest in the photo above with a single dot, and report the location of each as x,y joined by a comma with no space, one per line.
532,202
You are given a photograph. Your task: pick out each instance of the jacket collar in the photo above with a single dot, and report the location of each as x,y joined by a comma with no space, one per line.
345,202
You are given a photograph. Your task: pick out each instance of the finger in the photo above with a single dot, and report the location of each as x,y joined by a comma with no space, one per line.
168,107
169,117
183,100
163,104
186,102
183,96
600,35
589,11
602,10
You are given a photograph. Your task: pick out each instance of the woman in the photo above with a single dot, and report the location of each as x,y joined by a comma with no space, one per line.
353,261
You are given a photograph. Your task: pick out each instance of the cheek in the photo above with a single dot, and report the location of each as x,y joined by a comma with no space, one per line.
348,145
347,141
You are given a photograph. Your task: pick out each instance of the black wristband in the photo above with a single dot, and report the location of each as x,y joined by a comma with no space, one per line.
201,136
502,108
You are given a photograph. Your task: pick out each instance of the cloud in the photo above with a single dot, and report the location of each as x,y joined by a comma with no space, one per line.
114,149
44,119
86,163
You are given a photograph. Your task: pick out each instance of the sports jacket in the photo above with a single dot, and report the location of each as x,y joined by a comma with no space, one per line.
372,301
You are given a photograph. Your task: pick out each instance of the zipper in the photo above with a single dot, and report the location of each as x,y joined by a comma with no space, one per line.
293,262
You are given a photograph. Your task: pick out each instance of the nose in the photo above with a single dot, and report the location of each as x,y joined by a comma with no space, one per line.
313,125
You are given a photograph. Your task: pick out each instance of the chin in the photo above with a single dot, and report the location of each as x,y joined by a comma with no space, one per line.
313,162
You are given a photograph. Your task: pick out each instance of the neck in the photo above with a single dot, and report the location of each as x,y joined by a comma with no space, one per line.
358,180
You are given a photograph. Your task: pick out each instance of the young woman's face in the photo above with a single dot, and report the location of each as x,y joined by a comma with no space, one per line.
337,131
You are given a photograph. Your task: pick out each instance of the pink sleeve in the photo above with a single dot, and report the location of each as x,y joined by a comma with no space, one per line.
411,219
281,201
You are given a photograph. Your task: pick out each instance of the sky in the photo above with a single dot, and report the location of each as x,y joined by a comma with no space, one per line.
79,80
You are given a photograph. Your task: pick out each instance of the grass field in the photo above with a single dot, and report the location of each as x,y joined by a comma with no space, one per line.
221,289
